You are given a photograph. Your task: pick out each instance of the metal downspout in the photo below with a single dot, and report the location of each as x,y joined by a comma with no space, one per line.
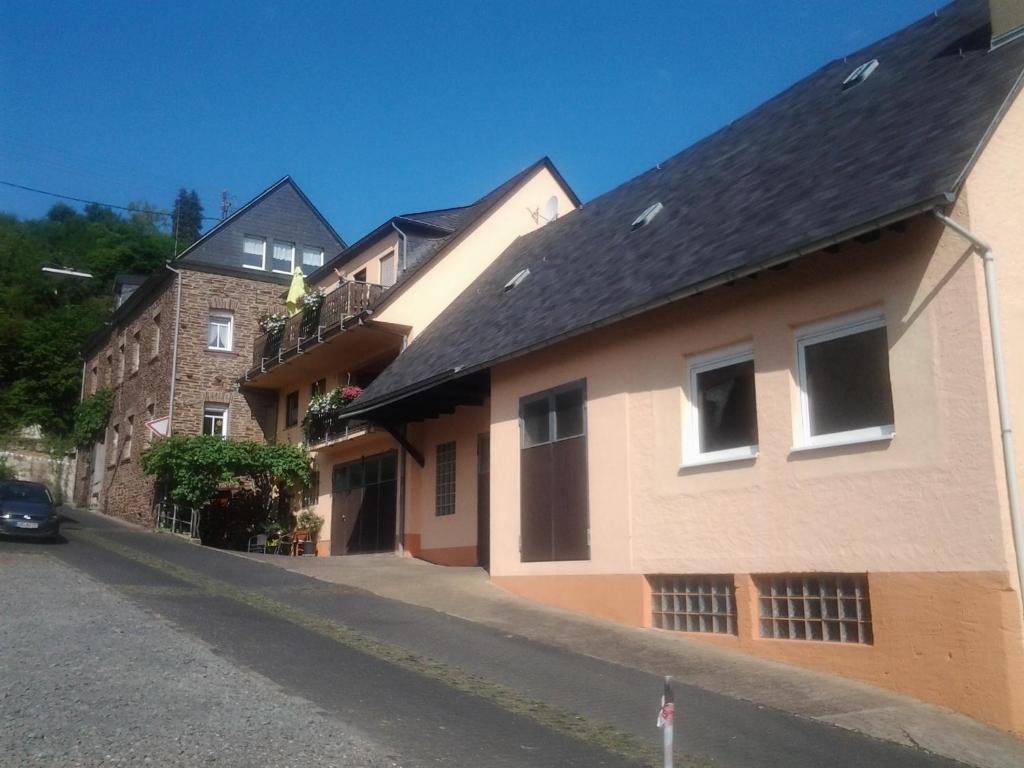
988,259
405,249
174,349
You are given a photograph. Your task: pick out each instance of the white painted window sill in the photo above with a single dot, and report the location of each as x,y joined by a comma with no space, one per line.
722,457
840,440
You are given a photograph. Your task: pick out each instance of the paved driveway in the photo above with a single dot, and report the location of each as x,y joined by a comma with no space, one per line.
162,645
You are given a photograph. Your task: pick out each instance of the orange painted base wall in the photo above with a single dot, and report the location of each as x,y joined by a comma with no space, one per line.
953,639
620,597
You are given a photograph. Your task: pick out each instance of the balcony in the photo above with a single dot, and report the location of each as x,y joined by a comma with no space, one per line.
323,431
305,330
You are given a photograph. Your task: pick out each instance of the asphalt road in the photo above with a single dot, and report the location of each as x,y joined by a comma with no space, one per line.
349,678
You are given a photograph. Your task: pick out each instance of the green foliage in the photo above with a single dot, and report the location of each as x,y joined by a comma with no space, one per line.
91,417
193,467
311,521
188,218
6,470
45,320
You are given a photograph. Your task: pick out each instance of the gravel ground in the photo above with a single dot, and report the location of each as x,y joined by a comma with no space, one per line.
89,679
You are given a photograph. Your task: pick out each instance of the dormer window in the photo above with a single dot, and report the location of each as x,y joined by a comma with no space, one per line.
312,258
860,74
254,252
284,257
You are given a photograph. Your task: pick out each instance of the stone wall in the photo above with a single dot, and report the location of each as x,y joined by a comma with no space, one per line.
57,474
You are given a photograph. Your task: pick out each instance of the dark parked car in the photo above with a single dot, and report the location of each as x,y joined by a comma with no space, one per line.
27,509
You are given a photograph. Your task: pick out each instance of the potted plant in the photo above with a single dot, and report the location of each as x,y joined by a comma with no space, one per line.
272,322
312,300
311,522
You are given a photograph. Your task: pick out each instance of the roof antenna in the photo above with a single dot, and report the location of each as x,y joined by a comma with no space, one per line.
225,204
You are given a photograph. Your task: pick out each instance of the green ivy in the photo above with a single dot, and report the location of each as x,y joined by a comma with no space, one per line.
193,467
91,417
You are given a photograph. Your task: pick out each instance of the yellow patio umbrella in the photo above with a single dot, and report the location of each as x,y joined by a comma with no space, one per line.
295,292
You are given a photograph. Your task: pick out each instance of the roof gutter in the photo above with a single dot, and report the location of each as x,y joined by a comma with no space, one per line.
988,259
671,298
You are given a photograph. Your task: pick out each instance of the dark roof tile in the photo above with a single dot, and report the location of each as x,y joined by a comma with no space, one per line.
811,164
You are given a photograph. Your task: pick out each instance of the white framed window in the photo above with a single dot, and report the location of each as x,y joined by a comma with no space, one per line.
312,258
215,420
221,330
283,260
721,417
387,270
254,252
843,375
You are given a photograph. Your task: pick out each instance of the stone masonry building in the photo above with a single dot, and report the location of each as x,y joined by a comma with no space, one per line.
178,341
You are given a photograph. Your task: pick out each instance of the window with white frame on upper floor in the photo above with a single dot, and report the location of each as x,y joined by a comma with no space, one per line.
312,258
221,330
254,252
721,424
843,375
283,259
120,361
387,269
215,420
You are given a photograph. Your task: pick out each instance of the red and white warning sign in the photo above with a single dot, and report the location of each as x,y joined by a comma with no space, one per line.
159,427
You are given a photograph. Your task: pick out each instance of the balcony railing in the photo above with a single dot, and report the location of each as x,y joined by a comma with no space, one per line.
328,429
308,328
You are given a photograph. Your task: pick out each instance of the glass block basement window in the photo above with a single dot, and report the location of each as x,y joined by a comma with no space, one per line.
829,607
694,603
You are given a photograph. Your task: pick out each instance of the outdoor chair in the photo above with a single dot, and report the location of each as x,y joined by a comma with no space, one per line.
258,543
284,545
299,538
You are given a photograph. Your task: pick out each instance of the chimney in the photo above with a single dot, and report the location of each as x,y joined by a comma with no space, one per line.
1007,20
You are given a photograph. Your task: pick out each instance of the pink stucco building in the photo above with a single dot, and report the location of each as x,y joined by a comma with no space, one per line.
751,395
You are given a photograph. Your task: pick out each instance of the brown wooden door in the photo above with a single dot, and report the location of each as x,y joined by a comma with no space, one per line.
554,515
483,500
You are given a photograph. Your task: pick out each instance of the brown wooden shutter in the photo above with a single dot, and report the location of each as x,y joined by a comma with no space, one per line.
554,514
535,490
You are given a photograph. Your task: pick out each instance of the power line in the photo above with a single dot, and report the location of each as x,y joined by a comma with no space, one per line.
94,202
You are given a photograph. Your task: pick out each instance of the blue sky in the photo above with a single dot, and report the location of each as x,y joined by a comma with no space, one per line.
381,108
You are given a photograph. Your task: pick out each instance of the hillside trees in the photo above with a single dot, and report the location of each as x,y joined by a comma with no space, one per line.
44,320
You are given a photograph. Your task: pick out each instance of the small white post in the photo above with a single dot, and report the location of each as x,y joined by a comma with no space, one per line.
666,720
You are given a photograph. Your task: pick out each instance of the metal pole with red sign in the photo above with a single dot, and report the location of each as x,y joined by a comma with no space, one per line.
666,720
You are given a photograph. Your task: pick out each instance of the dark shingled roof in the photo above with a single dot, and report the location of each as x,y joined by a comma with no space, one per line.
428,232
813,165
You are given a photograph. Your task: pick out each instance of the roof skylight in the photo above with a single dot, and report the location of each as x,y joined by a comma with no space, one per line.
519,276
860,74
645,218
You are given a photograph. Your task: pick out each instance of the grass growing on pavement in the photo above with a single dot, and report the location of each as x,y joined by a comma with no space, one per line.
558,719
